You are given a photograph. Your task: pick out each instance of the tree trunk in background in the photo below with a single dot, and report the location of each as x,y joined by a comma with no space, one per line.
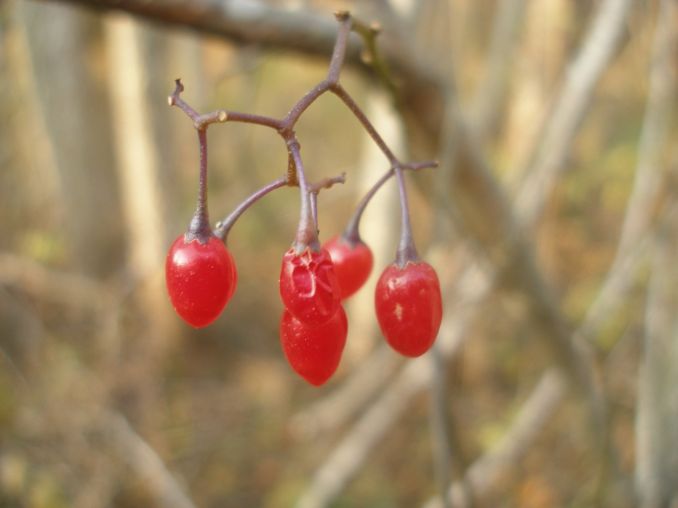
68,79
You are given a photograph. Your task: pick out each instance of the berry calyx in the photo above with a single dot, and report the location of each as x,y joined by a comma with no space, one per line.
408,305
352,263
308,285
201,278
314,351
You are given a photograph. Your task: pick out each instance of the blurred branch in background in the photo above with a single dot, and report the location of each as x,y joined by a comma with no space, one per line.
602,42
213,409
656,435
656,432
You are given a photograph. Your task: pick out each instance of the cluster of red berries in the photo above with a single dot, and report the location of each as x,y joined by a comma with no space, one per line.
201,279
201,274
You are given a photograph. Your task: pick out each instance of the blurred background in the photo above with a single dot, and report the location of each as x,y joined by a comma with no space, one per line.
552,221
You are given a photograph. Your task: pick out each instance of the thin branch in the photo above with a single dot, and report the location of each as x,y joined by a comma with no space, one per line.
339,91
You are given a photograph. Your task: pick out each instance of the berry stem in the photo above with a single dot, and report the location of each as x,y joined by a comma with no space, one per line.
313,196
352,232
307,233
224,226
199,229
407,252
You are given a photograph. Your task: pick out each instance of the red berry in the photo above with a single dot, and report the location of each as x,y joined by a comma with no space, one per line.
314,351
308,286
201,278
352,264
409,307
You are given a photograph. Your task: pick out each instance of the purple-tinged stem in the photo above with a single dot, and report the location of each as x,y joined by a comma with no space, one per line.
287,123
313,197
199,229
407,252
218,116
339,91
307,233
224,227
352,232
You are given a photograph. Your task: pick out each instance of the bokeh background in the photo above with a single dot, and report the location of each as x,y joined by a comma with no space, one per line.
107,399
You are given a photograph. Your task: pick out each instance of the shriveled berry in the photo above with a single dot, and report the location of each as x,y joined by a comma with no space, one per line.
352,263
314,351
409,307
308,286
201,278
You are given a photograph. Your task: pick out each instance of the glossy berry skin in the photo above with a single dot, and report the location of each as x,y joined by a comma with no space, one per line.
352,264
314,352
308,286
409,307
201,278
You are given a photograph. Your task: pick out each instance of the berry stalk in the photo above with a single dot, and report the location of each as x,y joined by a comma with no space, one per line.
199,229
352,232
224,226
307,232
407,252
